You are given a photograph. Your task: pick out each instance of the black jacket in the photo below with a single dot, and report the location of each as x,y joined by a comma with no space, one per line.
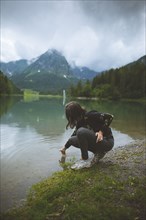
96,121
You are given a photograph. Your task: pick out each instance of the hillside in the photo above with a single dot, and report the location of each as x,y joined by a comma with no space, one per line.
141,60
6,86
125,82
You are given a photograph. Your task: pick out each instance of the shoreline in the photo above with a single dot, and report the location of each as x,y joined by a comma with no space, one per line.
122,169
131,156
140,100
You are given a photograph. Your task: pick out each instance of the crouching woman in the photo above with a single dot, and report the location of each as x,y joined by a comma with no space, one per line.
92,132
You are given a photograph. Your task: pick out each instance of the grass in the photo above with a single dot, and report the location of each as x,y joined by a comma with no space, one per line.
107,191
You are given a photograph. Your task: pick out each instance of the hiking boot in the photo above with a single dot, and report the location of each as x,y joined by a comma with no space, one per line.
82,164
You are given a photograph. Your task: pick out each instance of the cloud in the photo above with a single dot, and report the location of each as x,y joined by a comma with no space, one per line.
97,34
8,49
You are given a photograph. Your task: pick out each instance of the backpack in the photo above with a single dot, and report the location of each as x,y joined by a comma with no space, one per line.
107,117
95,117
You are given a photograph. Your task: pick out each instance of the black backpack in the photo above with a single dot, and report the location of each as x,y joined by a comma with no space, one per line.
102,118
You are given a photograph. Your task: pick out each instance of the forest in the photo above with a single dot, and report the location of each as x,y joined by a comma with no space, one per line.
6,86
125,82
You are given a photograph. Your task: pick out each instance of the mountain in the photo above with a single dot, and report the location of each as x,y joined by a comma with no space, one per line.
50,72
142,60
83,72
14,67
51,62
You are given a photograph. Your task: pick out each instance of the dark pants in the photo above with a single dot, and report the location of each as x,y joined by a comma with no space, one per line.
86,141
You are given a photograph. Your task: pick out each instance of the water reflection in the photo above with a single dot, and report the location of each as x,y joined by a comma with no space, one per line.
46,116
6,102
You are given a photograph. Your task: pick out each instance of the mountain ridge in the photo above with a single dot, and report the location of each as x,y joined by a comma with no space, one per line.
49,72
10,68
41,72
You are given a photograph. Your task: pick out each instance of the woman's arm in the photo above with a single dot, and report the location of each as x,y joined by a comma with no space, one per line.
99,135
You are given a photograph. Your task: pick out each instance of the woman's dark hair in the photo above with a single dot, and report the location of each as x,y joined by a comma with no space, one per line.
74,112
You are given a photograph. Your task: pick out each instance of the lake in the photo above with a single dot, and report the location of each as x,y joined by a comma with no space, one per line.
33,131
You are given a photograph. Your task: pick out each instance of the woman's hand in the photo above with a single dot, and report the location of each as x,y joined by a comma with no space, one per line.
63,151
99,136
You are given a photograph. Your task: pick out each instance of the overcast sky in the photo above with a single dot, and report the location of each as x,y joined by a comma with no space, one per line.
97,34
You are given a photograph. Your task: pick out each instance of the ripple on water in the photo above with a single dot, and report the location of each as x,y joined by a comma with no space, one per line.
16,140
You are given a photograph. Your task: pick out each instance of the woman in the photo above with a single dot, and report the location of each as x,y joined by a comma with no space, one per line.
92,132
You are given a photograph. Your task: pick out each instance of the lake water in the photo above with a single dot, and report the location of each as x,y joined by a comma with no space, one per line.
33,131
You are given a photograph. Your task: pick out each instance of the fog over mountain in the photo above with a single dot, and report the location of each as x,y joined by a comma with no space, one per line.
96,34
49,72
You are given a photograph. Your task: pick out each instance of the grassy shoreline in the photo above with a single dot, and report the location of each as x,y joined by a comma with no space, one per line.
113,189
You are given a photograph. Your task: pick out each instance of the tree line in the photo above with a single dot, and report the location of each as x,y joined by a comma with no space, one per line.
124,82
6,86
